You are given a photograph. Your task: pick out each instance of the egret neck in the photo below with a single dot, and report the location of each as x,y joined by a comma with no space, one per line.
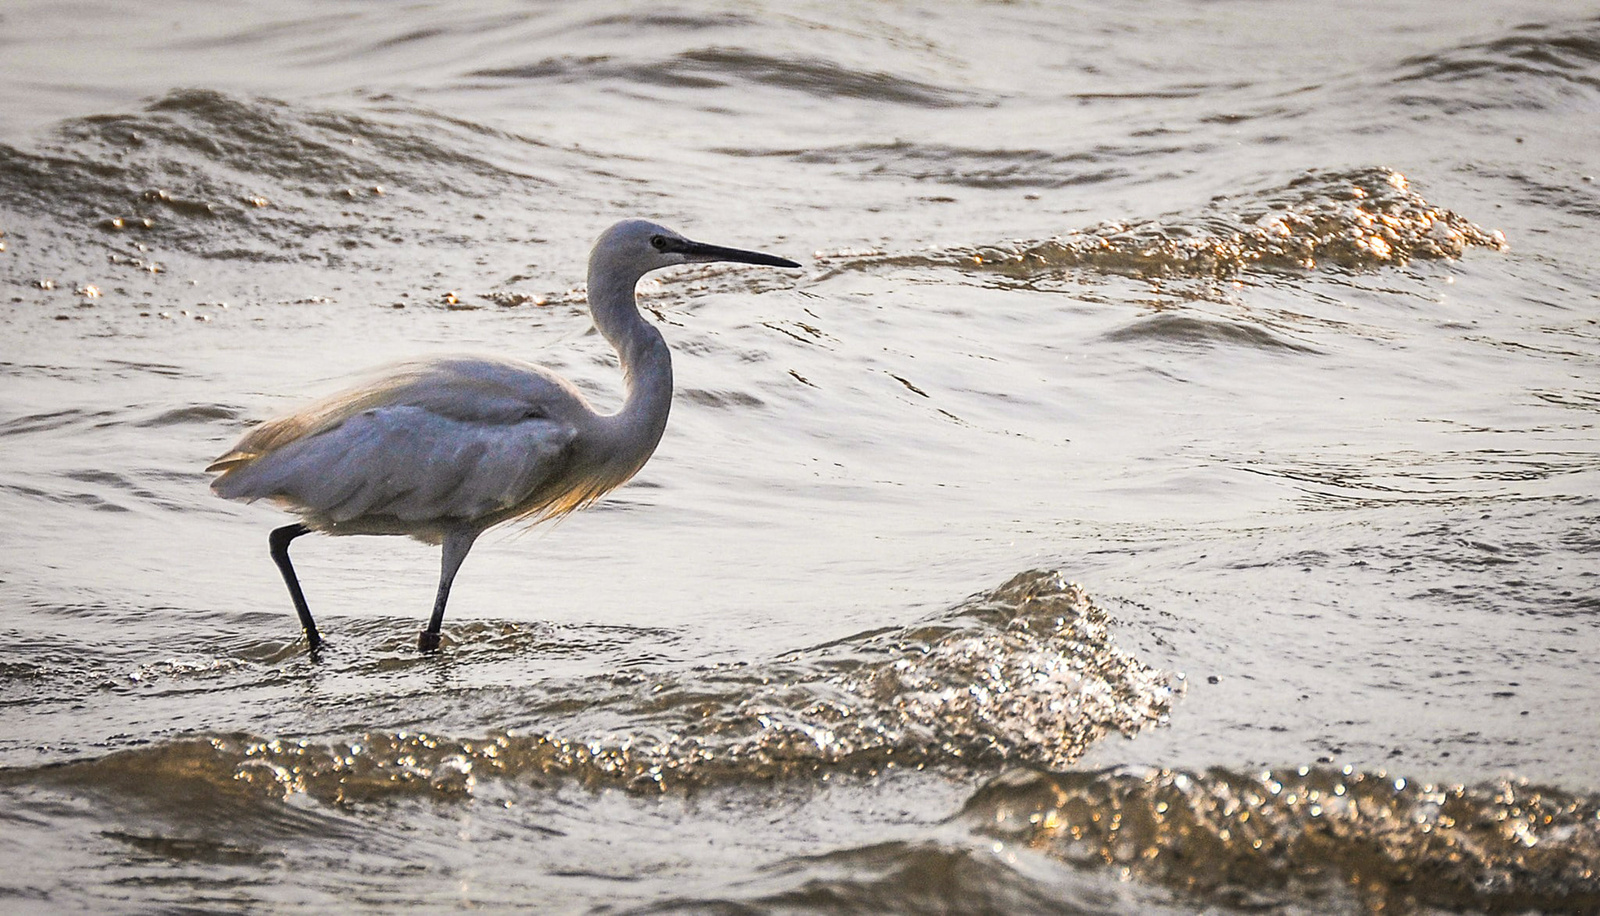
630,435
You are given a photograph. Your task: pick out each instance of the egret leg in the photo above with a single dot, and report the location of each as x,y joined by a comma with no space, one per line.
456,545
279,542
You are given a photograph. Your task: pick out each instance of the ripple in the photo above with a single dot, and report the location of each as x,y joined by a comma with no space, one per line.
1536,66
1193,330
721,67
968,166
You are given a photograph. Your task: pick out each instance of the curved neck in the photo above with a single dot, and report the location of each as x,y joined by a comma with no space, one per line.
635,429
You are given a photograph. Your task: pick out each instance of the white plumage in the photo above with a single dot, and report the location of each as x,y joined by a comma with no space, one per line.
452,439
443,449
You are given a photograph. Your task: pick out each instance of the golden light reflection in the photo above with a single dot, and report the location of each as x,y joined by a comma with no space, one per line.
1232,837
1358,220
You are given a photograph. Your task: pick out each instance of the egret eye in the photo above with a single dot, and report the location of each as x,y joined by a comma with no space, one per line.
658,242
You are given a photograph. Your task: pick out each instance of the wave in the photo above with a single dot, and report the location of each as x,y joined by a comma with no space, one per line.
251,179
929,876
1362,219
1338,838
1027,673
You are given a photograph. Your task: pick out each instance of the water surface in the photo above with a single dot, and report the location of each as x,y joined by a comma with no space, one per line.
1170,484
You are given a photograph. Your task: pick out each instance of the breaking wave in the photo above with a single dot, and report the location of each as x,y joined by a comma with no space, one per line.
1356,220
1028,673
1274,839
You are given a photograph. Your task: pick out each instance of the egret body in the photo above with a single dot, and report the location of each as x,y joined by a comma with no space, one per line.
444,449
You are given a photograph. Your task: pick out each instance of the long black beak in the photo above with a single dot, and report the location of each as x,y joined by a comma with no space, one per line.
700,251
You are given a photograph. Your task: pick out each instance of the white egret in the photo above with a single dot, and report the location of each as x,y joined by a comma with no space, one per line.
444,449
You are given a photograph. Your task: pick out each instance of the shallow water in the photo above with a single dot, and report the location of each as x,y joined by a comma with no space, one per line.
1276,333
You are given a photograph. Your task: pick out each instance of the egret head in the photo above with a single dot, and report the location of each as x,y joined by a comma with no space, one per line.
636,246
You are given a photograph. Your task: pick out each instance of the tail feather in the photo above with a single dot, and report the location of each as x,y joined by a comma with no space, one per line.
231,460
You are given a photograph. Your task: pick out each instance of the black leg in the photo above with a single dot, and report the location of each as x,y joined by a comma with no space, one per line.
456,545
279,541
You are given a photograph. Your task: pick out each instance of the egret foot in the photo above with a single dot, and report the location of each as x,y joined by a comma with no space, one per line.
427,641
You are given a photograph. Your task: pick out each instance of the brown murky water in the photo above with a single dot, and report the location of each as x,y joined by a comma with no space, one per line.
1171,485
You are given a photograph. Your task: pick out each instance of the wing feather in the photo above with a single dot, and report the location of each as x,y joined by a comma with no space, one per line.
451,439
406,463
